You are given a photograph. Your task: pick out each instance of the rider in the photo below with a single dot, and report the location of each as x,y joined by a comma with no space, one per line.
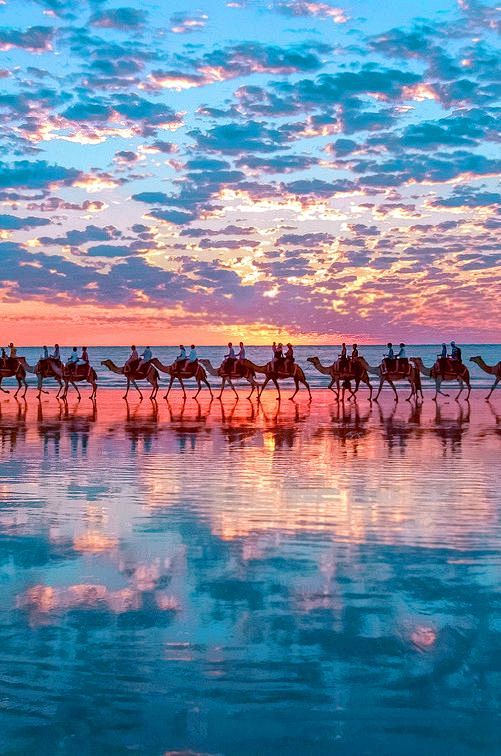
72,360
389,357
402,361
4,357
45,353
145,357
133,359
278,356
84,357
229,359
56,355
354,352
442,359
289,358
193,356
180,360
455,352
343,358
241,352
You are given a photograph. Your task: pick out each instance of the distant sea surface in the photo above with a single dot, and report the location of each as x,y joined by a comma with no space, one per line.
262,354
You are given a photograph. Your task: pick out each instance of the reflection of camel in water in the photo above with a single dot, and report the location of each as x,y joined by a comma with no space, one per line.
348,423
77,425
355,372
451,431
15,367
145,428
284,429
243,368
237,430
459,373
149,373
195,370
12,430
390,376
188,428
494,370
398,432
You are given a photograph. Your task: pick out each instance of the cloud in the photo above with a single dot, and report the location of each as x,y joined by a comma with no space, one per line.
123,19
12,222
36,39
307,8
187,23
35,175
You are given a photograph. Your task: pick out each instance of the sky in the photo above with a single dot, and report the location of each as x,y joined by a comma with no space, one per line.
254,169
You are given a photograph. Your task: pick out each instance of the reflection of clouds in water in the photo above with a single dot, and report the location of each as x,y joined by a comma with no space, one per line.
314,561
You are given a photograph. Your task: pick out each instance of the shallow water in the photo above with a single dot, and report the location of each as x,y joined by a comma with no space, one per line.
491,353
228,578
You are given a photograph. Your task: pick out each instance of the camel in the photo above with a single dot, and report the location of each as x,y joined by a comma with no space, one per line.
389,377
490,370
150,374
461,374
356,372
245,372
15,367
80,373
296,373
48,367
197,372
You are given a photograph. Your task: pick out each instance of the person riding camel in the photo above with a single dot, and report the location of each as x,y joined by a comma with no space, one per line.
192,358
354,352
229,359
289,359
145,358
389,358
278,357
45,353
180,361
442,360
72,361
402,361
456,352
241,352
343,358
4,358
132,361
56,355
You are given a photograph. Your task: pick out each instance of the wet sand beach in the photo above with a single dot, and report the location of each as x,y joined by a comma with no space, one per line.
214,577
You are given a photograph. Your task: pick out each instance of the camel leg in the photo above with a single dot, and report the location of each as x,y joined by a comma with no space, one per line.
154,390
492,388
182,386
381,382
94,390
461,389
208,386
254,386
469,392
413,391
233,387
2,388
169,387
369,386
25,387
137,389
199,389
263,386
76,389
297,389
128,387
438,383
308,387
223,384
278,389
60,388
19,384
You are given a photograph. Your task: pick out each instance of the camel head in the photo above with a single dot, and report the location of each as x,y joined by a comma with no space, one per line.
313,360
475,359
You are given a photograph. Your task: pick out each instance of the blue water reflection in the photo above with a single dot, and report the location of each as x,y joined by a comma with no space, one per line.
225,578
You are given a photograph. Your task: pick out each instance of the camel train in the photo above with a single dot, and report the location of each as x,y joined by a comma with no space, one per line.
345,374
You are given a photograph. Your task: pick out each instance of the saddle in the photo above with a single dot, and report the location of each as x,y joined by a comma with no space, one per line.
80,372
449,365
400,367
